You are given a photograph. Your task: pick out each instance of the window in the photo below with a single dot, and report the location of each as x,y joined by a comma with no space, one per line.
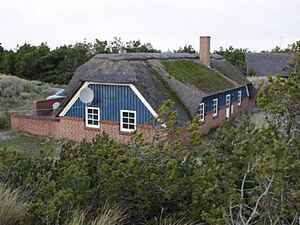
239,97
215,107
202,112
128,120
92,117
228,99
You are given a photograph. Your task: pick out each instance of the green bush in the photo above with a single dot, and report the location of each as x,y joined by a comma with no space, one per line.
199,181
140,178
4,120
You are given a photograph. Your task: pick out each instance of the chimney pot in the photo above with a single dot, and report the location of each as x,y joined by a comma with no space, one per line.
205,50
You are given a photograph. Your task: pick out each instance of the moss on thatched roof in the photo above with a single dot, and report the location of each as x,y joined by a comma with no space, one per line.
193,73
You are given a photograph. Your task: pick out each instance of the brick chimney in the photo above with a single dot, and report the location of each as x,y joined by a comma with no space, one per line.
205,50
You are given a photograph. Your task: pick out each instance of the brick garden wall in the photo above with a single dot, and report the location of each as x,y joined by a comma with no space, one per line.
74,129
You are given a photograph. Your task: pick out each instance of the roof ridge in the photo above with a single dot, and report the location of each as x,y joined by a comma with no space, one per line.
146,56
270,53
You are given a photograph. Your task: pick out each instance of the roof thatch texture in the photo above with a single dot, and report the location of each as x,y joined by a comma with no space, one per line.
149,74
269,64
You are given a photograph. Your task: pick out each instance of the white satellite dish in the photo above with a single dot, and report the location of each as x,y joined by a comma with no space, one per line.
56,105
86,95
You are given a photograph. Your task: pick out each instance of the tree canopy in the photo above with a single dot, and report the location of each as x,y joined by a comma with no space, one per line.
57,65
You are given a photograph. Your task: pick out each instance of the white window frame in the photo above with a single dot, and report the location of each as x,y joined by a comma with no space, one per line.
228,100
215,107
121,121
239,97
87,118
202,112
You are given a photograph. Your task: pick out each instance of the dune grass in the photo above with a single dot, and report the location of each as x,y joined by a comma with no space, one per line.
12,206
108,215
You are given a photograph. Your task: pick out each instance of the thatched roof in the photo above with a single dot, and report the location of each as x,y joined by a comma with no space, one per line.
148,73
266,64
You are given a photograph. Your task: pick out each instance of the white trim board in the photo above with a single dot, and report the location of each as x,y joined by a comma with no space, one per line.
86,84
247,90
73,99
144,101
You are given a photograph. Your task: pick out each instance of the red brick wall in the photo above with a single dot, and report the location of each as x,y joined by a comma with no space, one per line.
74,129
214,122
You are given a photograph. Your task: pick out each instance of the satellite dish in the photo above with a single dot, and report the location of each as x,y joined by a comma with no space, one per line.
86,95
56,105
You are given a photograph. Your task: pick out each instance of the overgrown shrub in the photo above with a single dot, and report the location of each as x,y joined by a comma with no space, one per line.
197,180
140,178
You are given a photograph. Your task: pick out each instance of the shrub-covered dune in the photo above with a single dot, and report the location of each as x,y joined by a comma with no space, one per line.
17,94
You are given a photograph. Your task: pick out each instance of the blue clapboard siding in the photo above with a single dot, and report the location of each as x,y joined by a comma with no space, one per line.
111,99
208,100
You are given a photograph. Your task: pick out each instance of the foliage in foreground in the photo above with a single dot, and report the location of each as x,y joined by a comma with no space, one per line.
242,169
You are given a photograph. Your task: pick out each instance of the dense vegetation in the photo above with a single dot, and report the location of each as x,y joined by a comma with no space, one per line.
236,56
57,65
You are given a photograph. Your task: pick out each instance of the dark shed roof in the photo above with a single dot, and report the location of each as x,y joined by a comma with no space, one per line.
265,64
149,75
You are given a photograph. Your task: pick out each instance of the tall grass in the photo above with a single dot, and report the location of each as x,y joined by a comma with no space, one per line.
110,216
12,206
173,221
169,221
78,218
113,215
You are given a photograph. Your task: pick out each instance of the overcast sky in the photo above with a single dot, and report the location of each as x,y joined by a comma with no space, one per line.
167,24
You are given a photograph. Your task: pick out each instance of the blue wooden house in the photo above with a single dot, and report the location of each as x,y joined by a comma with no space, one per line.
128,89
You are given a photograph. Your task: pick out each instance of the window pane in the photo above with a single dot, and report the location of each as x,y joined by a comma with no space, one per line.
90,122
131,127
131,115
125,114
125,120
125,125
96,117
90,110
131,120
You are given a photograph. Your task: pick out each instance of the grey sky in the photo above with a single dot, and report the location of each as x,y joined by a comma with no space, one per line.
167,24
